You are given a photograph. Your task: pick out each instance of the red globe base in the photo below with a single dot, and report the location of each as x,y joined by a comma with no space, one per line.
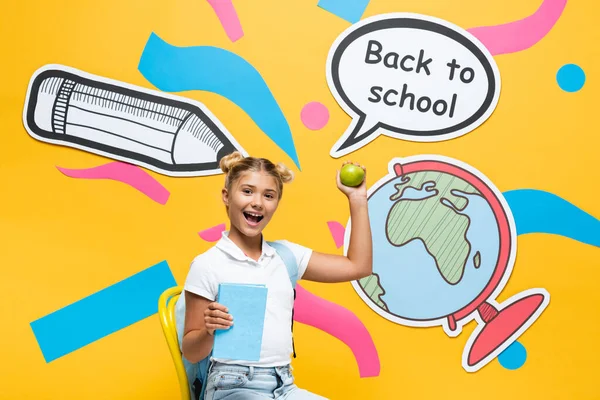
503,325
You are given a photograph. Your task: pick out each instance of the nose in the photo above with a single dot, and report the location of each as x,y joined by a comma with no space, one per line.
257,202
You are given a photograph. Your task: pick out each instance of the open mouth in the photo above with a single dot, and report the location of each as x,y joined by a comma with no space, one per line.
253,218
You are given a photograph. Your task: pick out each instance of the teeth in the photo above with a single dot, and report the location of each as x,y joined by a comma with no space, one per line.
254,215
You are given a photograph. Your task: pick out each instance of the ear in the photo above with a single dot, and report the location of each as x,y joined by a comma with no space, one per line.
225,197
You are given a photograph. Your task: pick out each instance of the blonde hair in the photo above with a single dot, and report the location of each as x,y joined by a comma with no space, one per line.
235,164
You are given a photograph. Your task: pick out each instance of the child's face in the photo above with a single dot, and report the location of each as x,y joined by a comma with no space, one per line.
252,202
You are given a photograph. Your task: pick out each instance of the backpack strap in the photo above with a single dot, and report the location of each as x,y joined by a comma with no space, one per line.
289,259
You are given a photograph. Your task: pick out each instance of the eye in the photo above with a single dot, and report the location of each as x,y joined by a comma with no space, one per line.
246,191
269,196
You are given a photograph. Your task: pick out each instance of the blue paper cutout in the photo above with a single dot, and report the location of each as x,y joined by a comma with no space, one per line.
350,10
176,69
536,211
102,313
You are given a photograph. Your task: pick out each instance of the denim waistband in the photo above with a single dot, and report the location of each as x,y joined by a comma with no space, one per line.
249,370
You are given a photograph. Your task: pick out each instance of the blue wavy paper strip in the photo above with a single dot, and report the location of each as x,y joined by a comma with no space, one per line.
537,211
102,313
212,69
350,10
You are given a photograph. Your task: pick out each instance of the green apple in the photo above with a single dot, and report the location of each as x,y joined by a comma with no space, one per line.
352,175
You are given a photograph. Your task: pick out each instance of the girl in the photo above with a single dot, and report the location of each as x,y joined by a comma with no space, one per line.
253,189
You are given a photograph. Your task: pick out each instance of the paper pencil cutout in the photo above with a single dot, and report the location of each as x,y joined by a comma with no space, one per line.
168,134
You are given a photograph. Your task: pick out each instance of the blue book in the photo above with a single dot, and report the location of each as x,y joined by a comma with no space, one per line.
247,305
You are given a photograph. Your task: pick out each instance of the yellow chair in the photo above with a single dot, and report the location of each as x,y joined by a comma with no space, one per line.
166,313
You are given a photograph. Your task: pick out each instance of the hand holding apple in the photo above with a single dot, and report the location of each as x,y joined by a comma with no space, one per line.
351,180
352,175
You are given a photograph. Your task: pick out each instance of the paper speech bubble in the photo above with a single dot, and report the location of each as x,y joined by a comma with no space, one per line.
410,77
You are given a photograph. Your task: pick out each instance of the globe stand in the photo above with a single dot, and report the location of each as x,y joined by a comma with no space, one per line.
502,327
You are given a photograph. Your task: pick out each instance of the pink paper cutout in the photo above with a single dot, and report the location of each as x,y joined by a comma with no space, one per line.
340,323
520,35
125,173
212,234
314,115
337,231
228,17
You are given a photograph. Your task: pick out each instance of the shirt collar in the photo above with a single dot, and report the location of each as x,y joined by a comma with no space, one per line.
232,249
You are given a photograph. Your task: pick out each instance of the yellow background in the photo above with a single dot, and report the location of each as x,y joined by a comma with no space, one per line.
63,239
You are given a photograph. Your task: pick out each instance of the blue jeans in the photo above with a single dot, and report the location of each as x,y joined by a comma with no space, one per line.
237,382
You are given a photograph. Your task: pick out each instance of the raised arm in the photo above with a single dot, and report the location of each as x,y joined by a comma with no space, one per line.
359,260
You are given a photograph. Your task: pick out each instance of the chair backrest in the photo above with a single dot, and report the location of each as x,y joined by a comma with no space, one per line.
166,312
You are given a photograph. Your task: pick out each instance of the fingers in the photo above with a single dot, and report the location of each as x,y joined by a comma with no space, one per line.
213,323
217,311
355,163
216,317
216,306
214,327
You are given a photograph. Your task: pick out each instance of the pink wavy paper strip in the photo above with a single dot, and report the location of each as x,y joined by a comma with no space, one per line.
337,231
520,35
341,323
128,174
212,234
228,17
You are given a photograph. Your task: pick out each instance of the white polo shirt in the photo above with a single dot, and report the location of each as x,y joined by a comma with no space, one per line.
226,263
